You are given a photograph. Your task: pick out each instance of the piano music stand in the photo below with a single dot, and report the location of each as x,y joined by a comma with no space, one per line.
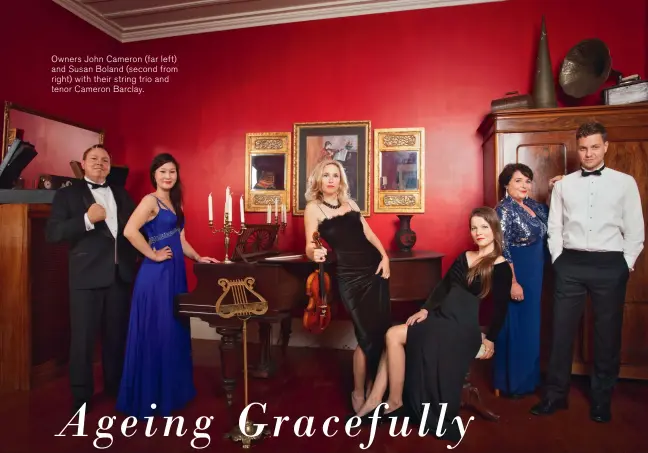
256,241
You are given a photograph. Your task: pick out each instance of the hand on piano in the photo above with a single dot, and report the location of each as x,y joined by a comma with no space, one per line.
207,259
319,255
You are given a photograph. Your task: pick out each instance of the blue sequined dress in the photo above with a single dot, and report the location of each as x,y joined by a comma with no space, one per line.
158,365
517,349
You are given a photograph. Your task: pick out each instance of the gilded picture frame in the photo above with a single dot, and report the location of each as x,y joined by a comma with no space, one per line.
399,170
348,142
267,170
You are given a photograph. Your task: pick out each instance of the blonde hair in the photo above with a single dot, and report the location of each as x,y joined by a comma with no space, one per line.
314,184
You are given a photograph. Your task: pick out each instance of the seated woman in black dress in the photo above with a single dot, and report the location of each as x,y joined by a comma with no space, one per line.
428,356
362,266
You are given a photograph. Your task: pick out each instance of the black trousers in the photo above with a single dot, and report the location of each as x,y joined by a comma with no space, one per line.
604,276
104,310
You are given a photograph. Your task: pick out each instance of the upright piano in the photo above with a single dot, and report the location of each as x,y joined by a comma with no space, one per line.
281,280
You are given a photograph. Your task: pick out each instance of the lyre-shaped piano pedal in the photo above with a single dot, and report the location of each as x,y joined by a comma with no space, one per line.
239,294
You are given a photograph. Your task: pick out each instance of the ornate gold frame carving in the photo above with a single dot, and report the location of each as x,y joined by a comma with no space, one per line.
8,106
302,131
400,201
267,144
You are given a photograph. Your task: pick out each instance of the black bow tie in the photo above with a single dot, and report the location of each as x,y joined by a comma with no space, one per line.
97,186
589,173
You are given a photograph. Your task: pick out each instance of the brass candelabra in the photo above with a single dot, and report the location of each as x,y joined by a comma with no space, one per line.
227,230
281,227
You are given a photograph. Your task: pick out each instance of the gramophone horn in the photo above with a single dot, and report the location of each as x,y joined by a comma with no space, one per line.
586,67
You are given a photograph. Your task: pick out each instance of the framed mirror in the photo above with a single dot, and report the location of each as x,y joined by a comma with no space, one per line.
399,170
267,166
58,141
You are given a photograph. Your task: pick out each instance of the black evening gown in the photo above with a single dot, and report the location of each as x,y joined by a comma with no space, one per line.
440,349
364,294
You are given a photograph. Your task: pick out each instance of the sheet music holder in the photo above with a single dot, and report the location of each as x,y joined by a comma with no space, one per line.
20,154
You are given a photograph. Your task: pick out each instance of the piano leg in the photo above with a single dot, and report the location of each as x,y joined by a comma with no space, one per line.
266,366
229,359
286,330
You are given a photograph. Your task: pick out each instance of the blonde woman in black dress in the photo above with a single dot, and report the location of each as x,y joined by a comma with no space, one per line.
362,267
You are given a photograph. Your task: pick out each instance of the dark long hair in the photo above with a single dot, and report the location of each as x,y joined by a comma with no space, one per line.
176,191
484,267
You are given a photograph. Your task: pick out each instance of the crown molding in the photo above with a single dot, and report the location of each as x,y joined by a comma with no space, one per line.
91,17
276,16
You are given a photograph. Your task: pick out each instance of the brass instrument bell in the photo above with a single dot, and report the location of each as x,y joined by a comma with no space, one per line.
586,67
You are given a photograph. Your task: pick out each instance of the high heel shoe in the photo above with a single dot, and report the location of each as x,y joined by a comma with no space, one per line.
367,419
353,399
400,412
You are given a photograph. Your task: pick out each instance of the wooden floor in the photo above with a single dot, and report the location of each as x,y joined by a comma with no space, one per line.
313,382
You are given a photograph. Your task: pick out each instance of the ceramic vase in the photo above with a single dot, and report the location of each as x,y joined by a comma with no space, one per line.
405,236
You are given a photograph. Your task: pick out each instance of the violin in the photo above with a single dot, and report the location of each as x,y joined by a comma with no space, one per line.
317,315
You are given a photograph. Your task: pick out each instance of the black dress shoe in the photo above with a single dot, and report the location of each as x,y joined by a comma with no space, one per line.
600,413
548,407
78,406
514,396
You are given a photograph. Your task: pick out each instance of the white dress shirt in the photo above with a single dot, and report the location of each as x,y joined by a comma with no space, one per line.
105,198
596,213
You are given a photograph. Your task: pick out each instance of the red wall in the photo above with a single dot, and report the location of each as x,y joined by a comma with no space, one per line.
437,68
33,31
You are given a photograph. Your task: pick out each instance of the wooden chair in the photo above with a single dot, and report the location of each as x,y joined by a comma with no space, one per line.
470,398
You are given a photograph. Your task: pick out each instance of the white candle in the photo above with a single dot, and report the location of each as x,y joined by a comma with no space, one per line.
277,209
283,213
210,208
269,215
229,206
242,210
227,191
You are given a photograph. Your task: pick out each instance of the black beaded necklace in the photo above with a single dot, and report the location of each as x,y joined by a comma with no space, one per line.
331,206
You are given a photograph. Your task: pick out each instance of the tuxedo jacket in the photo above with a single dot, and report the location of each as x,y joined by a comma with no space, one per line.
91,256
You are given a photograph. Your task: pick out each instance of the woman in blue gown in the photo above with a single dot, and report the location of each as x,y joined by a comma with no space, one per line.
158,369
524,227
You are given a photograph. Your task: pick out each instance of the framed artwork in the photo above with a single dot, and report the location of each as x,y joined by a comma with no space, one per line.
399,170
267,170
348,142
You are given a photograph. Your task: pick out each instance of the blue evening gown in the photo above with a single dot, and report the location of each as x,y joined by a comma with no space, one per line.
517,349
158,367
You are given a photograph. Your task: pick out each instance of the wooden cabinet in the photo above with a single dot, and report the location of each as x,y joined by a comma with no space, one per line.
545,140
34,307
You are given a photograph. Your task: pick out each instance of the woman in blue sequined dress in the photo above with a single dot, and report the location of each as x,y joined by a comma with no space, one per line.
524,227
158,370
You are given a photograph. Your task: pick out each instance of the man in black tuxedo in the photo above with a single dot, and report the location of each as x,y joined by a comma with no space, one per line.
90,216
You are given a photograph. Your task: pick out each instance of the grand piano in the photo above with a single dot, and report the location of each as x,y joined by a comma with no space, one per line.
281,280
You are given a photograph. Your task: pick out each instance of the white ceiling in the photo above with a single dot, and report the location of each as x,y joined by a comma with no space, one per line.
138,20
